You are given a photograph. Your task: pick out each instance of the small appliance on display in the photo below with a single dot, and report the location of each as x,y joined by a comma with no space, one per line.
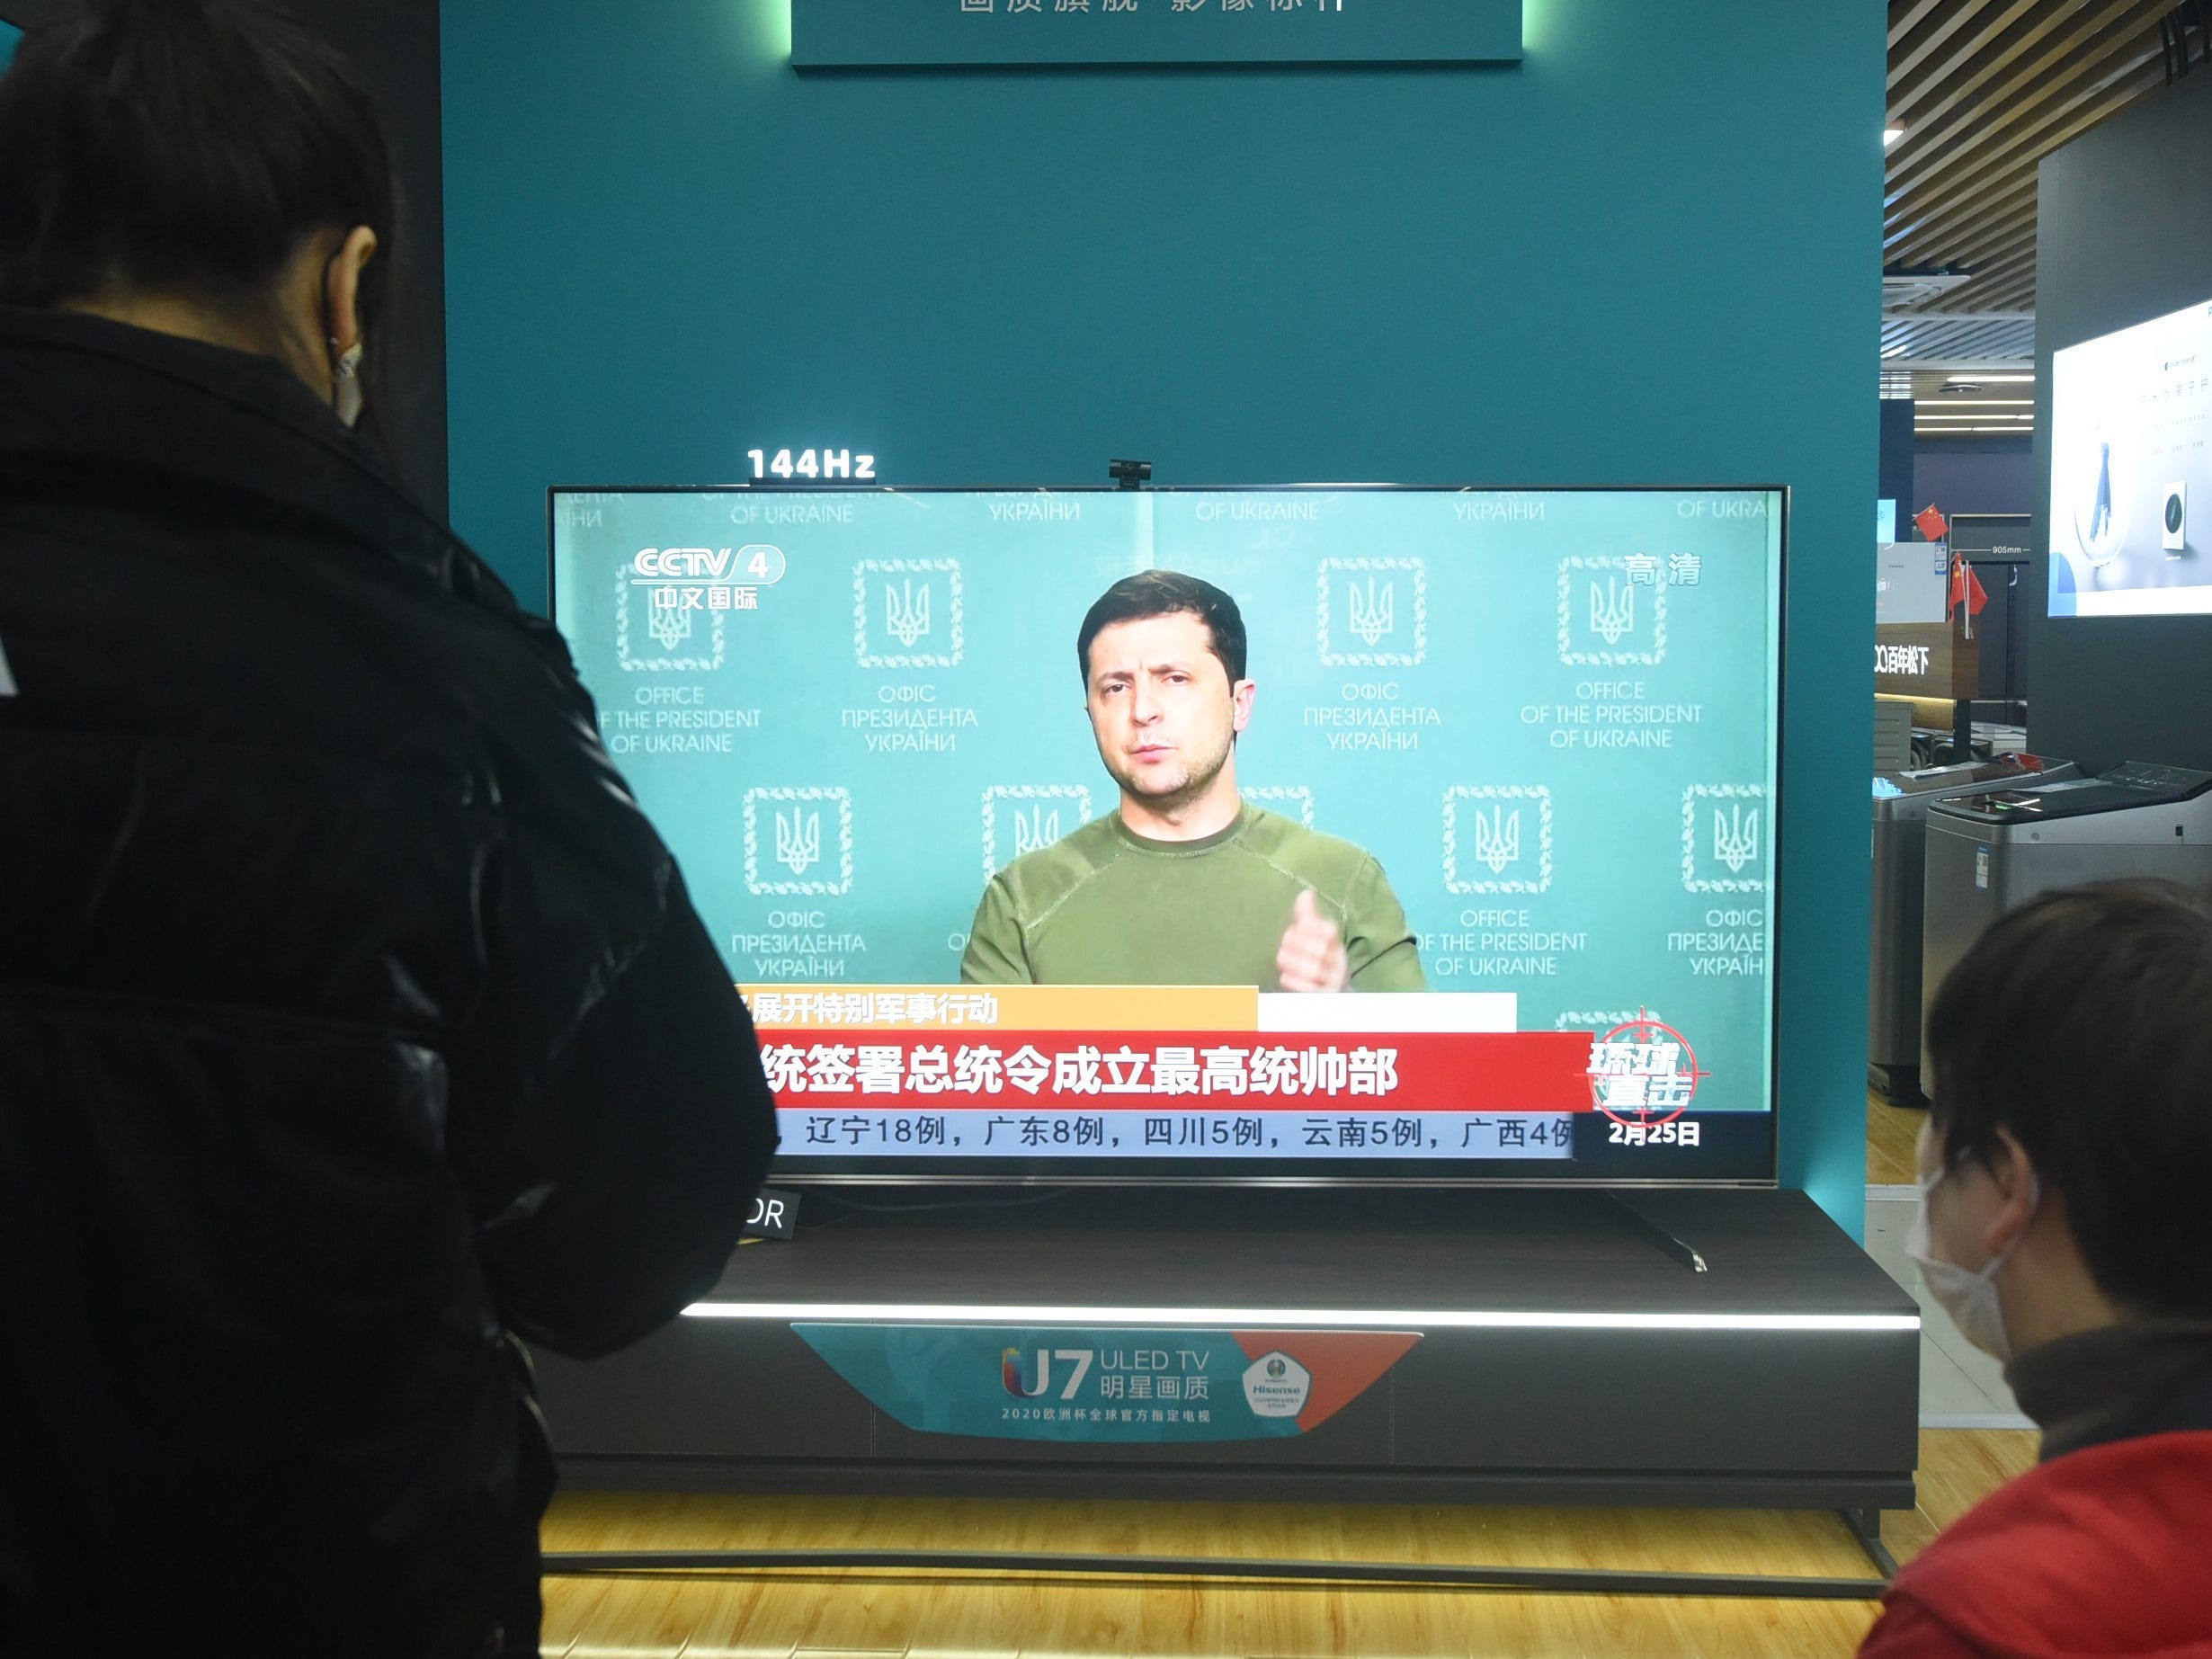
1991,853
1533,733
1911,580
1893,736
2131,418
1902,802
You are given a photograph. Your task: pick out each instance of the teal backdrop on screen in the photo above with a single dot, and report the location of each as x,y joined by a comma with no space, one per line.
9,35
1644,255
1546,714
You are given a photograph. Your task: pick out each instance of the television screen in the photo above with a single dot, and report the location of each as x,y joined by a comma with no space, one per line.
1379,834
2131,413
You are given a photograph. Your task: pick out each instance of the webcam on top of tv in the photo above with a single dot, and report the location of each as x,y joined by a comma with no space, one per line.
1130,474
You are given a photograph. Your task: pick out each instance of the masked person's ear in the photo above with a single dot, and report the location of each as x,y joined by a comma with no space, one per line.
342,313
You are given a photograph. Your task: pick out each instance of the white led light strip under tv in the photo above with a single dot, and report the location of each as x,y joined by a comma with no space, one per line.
1283,1319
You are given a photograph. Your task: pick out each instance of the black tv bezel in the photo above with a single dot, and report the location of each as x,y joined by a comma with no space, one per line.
1597,1167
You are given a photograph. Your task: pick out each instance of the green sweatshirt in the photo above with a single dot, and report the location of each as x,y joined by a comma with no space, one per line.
1107,906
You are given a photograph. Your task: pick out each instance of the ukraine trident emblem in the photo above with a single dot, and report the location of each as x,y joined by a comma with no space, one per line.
1035,830
1373,613
798,840
670,619
1612,610
1736,836
1497,839
905,613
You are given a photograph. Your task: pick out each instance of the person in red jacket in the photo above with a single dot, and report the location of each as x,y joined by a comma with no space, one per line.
2066,1176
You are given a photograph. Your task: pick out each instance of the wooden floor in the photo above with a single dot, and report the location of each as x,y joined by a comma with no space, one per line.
854,1615
882,1616
1890,1134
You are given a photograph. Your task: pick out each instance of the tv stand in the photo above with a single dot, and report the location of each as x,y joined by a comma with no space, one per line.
1547,1351
1662,1239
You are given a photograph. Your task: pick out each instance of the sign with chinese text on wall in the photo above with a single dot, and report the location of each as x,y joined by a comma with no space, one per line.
1932,659
963,33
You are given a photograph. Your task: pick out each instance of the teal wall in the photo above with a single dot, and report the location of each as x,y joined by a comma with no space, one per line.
9,35
1648,254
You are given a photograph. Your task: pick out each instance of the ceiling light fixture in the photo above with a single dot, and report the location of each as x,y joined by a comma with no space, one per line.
1890,135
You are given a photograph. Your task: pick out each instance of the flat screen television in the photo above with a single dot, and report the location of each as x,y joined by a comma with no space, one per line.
2131,469
1521,745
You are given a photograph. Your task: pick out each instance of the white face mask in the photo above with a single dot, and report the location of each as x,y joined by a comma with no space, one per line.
345,384
1969,1298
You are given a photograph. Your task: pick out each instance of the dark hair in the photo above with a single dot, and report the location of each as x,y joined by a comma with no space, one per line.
186,147
1165,593
2082,1023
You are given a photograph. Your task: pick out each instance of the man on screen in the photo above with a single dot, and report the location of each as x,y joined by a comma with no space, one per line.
1186,883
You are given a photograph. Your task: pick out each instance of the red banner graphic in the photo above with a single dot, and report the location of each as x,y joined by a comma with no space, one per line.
1342,1365
1501,1072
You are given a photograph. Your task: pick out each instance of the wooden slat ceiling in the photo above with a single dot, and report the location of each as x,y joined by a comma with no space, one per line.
1985,89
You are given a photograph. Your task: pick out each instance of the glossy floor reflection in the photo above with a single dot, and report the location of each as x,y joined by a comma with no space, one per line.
856,1614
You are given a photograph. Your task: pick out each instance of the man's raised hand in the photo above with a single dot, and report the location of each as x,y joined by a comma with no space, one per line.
1312,954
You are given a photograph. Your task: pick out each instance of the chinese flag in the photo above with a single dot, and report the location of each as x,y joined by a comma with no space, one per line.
1931,525
1966,586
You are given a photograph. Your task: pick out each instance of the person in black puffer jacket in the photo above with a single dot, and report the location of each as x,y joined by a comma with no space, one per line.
354,1020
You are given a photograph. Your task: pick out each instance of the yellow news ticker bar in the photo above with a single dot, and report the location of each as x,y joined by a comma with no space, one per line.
1003,1007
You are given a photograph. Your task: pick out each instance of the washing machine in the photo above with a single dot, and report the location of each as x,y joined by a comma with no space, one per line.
1991,853
1902,800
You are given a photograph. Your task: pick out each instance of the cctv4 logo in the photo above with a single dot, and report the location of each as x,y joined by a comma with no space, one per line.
703,563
